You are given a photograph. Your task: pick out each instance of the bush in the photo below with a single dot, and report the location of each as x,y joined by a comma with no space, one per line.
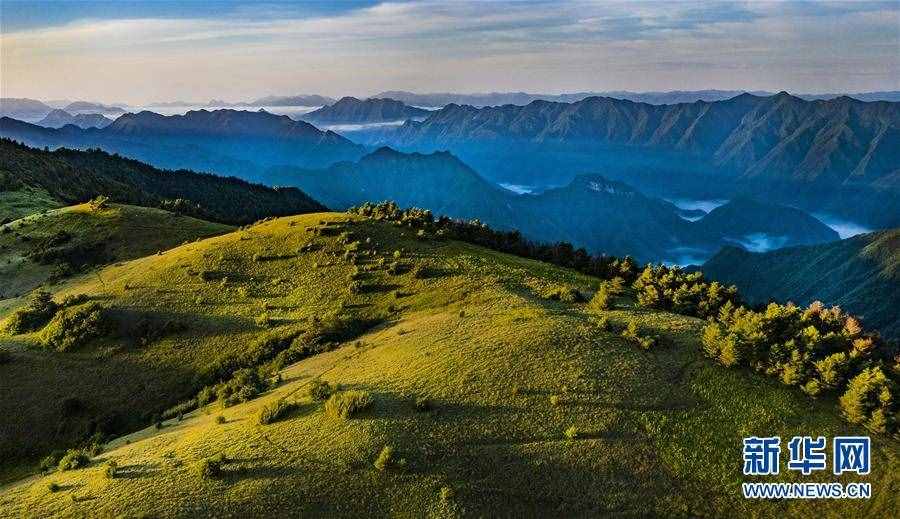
211,468
220,419
51,461
869,401
73,327
601,299
320,390
348,403
275,411
34,315
111,469
554,400
99,203
74,459
566,295
631,333
423,405
53,487
572,433
386,460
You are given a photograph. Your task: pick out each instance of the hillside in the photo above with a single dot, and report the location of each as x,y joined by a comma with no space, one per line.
350,110
505,371
32,179
861,274
230,142
57,244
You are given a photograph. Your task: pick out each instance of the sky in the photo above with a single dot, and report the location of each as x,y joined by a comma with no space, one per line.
143,52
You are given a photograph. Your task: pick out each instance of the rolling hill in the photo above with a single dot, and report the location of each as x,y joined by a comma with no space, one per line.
32,180
56,244
861,274
350,110
474,374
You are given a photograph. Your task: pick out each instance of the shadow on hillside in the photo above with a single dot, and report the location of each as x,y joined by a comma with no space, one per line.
144,326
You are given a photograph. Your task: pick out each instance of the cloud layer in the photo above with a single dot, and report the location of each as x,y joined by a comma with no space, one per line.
457,46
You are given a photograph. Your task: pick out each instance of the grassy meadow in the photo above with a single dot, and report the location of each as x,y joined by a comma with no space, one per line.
479,394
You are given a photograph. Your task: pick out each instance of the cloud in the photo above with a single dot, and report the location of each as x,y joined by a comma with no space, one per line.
426,45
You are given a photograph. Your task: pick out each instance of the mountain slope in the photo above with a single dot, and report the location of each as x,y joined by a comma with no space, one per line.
350,110
231,142
69,176
861,274
59,118
773,226
658,429
591,212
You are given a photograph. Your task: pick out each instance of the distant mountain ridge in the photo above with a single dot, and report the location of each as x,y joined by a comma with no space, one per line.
350,110
59,118
861,274
231,142
656,98
822,152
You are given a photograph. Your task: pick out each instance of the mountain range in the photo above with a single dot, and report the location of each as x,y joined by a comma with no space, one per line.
823,155
231,142
861,274
59,118
656,98
350,110
593,212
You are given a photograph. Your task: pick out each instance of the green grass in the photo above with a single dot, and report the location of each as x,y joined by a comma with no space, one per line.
24,202
118,233
657,432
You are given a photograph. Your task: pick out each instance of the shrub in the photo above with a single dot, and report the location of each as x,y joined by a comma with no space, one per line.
34,315
275,411
554,400
320,390
53,487
73,327
869,401
601,299
211,468
99,203
423,405
348,403
631,333
243,386
111,469
572,433
220,419
74,459
386,459
51,461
